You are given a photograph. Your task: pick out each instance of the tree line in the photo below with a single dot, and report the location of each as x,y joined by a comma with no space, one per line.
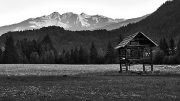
168,52
42,51
38,51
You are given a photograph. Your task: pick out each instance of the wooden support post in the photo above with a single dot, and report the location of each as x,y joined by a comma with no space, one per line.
144,67
126,62
151,60
126,66
120,61
120,67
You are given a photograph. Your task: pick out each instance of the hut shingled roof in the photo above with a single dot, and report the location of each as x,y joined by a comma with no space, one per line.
131,37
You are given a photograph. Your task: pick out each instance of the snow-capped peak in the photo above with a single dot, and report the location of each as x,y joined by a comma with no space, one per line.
101,16
67,15
85,15
55,16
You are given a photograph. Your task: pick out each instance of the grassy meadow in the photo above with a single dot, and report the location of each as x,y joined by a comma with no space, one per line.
85,82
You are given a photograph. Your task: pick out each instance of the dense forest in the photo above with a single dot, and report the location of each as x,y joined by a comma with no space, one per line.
42,51
167,52
64,39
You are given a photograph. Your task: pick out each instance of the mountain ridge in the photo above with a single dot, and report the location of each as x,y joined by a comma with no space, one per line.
69,21
123,23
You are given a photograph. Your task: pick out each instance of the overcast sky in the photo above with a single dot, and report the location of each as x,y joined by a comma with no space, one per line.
14,11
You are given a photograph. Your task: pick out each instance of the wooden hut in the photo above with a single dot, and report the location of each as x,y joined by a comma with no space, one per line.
136,48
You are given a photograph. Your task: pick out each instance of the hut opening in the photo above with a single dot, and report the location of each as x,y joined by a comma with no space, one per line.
135,49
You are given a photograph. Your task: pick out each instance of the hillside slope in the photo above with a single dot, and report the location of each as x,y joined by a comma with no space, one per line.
123,23
164,22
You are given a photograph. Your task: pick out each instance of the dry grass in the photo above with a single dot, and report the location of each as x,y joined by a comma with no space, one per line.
100,85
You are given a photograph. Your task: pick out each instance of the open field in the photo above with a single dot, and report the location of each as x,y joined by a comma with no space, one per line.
53,69
84,82
56,69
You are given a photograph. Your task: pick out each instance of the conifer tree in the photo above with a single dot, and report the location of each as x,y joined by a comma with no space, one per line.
67,57
60,59
117,53
110,55
72,56
81,55
34,58
101,57
10,53
172,46
120,39
1,55
25,60
20,55
44,58
166,47
47,40
161,46
76,55
178,47
93,53
51,57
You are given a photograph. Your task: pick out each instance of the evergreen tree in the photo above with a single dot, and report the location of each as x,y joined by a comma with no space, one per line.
178,47
51,57
25,60
83,56
161,46
100,58
172,46
72,56
44,58
1,55
86,57
120,39
64,52
110,55
166,47
34,58
67,57
158,57
93,53
20,56
117,53
76,55
47,45
47,40
60,59
10,53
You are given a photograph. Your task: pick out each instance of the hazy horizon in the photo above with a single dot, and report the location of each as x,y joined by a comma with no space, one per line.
18,10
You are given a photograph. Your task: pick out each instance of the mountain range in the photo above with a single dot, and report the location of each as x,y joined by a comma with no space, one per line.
70,21
123,23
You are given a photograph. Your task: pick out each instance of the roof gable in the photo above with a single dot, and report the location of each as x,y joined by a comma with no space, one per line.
127,40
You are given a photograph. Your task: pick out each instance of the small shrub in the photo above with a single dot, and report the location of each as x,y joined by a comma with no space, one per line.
158,58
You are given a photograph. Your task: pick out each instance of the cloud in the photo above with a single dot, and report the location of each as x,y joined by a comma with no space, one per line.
33,26
17,29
